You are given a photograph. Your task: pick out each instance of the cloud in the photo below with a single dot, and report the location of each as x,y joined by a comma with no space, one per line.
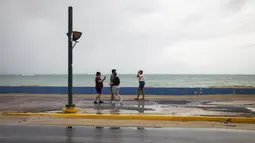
222,54
164,36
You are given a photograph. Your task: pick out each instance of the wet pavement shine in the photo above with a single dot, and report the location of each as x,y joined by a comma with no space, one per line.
182,107
60,134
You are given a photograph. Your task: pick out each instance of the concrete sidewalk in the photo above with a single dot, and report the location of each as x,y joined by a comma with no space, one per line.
190,108
203,105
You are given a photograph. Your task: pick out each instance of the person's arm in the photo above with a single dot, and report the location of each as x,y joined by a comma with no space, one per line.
138,75
101,80
111,80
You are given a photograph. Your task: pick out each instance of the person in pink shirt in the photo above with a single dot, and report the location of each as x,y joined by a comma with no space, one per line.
140,77
99,86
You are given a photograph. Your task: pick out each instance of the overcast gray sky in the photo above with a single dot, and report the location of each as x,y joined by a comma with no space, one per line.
158,36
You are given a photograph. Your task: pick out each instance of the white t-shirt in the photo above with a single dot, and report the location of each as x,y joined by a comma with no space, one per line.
140,77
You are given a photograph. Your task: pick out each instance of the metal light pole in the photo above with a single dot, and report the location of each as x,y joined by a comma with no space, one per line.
70,58
72,36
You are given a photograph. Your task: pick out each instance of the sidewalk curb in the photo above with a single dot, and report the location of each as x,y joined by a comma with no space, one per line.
138,117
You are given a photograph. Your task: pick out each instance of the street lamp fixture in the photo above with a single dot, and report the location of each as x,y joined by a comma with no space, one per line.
76,35
73,36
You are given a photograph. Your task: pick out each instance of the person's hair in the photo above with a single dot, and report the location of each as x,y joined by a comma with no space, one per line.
113,70
141,71
115,74
98,73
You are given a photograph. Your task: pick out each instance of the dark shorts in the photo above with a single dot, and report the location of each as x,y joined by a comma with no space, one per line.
141,84
99,90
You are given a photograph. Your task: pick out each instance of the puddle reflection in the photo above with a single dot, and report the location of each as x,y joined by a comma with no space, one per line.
69,134
118,108
115,110
140,106
98,108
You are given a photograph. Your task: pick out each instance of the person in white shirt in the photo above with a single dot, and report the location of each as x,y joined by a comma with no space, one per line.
140,77
111,81
115,87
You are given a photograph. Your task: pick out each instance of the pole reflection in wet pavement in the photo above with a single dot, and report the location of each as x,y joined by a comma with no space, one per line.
76,134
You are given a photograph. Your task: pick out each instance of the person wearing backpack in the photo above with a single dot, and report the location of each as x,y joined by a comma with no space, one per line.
115,86
111,81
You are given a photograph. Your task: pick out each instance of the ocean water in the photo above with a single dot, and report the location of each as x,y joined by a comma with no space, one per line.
130,80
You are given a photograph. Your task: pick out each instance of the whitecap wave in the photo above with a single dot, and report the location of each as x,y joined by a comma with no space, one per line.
27,74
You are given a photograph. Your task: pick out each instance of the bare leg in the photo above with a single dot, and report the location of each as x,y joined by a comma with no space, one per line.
98,96
100,99
119,96
143,93
112,98
138,94
112,95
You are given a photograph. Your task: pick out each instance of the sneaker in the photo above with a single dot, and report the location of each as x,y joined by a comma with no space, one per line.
101,102
95,102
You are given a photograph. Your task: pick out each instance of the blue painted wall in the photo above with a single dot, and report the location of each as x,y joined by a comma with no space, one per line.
125,90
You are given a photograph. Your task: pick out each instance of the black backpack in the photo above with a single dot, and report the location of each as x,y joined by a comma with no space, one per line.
117,80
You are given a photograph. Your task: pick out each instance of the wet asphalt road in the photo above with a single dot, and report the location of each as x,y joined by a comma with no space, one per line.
57,134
